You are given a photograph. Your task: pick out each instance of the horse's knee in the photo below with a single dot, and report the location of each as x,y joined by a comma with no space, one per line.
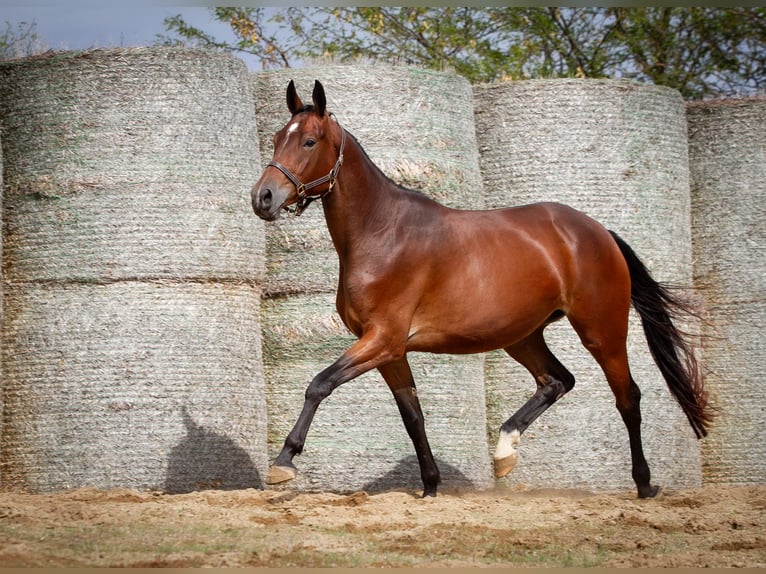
565,377
318,390
561,382
409,404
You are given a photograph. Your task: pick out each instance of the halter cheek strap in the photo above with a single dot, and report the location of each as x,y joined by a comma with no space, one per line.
304,199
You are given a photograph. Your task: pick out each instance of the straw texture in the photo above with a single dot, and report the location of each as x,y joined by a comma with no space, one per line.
617,151
107,150
418,127
2,383
133,274
727,154
135,384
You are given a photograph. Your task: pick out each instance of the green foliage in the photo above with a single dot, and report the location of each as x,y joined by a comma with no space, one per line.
699,51
250,27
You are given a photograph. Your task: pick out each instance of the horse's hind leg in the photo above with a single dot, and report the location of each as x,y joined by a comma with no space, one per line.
628,403
606,342
398,376
553,381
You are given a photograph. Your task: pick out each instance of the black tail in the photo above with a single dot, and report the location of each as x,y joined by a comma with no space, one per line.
674,356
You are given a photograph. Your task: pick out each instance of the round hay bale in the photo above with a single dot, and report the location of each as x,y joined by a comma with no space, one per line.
133,384
727,159
129,163
417,126
132,281
616,150
1,304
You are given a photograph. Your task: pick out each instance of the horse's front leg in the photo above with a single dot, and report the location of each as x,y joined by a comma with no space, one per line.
366,354
398,376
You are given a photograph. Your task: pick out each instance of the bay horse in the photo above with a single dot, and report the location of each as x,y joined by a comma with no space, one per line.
416,275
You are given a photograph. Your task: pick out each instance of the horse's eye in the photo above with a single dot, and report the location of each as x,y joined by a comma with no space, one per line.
309,143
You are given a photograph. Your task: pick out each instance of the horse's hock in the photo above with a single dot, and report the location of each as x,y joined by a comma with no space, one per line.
133,270
727,156
618,151
418,127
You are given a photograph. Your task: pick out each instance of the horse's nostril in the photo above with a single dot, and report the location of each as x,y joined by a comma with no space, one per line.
266,198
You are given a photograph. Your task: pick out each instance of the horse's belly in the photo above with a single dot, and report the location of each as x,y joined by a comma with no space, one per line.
481,333
490,306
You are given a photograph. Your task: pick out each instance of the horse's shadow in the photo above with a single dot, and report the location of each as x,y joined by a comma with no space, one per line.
406,476
207,460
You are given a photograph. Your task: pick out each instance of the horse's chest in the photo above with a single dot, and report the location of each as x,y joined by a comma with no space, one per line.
351,319
362,298
349,308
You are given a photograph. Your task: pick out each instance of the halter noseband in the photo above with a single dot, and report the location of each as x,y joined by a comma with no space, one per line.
302,188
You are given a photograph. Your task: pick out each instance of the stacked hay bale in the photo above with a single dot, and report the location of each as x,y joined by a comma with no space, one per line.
133,272
1,305
417,126
727,159
616,150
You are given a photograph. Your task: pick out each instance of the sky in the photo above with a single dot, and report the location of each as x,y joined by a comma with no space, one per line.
82,24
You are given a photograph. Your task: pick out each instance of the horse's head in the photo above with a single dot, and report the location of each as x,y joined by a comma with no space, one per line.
308,152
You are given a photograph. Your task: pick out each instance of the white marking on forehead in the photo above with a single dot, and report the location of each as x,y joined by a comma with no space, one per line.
291,129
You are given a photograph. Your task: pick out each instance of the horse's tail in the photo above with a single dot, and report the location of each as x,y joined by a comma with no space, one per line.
674,356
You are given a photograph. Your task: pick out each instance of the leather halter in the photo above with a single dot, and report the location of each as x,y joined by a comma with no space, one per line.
304,199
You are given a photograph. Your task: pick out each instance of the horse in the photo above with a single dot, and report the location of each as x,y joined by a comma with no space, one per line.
416,275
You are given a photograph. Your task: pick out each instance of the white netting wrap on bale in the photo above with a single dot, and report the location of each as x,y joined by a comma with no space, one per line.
129,163
616,150
133,384
727,161
418,127
1,307
134,273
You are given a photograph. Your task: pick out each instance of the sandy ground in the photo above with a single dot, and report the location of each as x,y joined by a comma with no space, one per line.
711,526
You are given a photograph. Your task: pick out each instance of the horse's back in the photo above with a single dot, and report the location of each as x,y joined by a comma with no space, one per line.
564,217
554,233
564,231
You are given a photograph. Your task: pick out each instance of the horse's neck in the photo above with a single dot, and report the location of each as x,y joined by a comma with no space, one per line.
365,200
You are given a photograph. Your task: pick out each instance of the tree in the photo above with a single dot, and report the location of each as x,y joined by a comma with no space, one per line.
250,26
20,41
699,51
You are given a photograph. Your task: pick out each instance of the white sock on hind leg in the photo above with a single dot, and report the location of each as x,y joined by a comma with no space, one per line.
507,443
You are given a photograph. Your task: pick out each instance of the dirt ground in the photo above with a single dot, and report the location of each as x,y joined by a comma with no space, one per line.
711,526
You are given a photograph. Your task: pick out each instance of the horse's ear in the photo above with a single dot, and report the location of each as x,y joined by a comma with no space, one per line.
294,103
320,102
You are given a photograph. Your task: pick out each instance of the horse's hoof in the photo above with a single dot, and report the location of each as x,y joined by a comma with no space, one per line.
505,465
279,474
650,492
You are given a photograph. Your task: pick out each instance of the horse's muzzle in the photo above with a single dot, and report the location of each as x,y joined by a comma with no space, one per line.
267,202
